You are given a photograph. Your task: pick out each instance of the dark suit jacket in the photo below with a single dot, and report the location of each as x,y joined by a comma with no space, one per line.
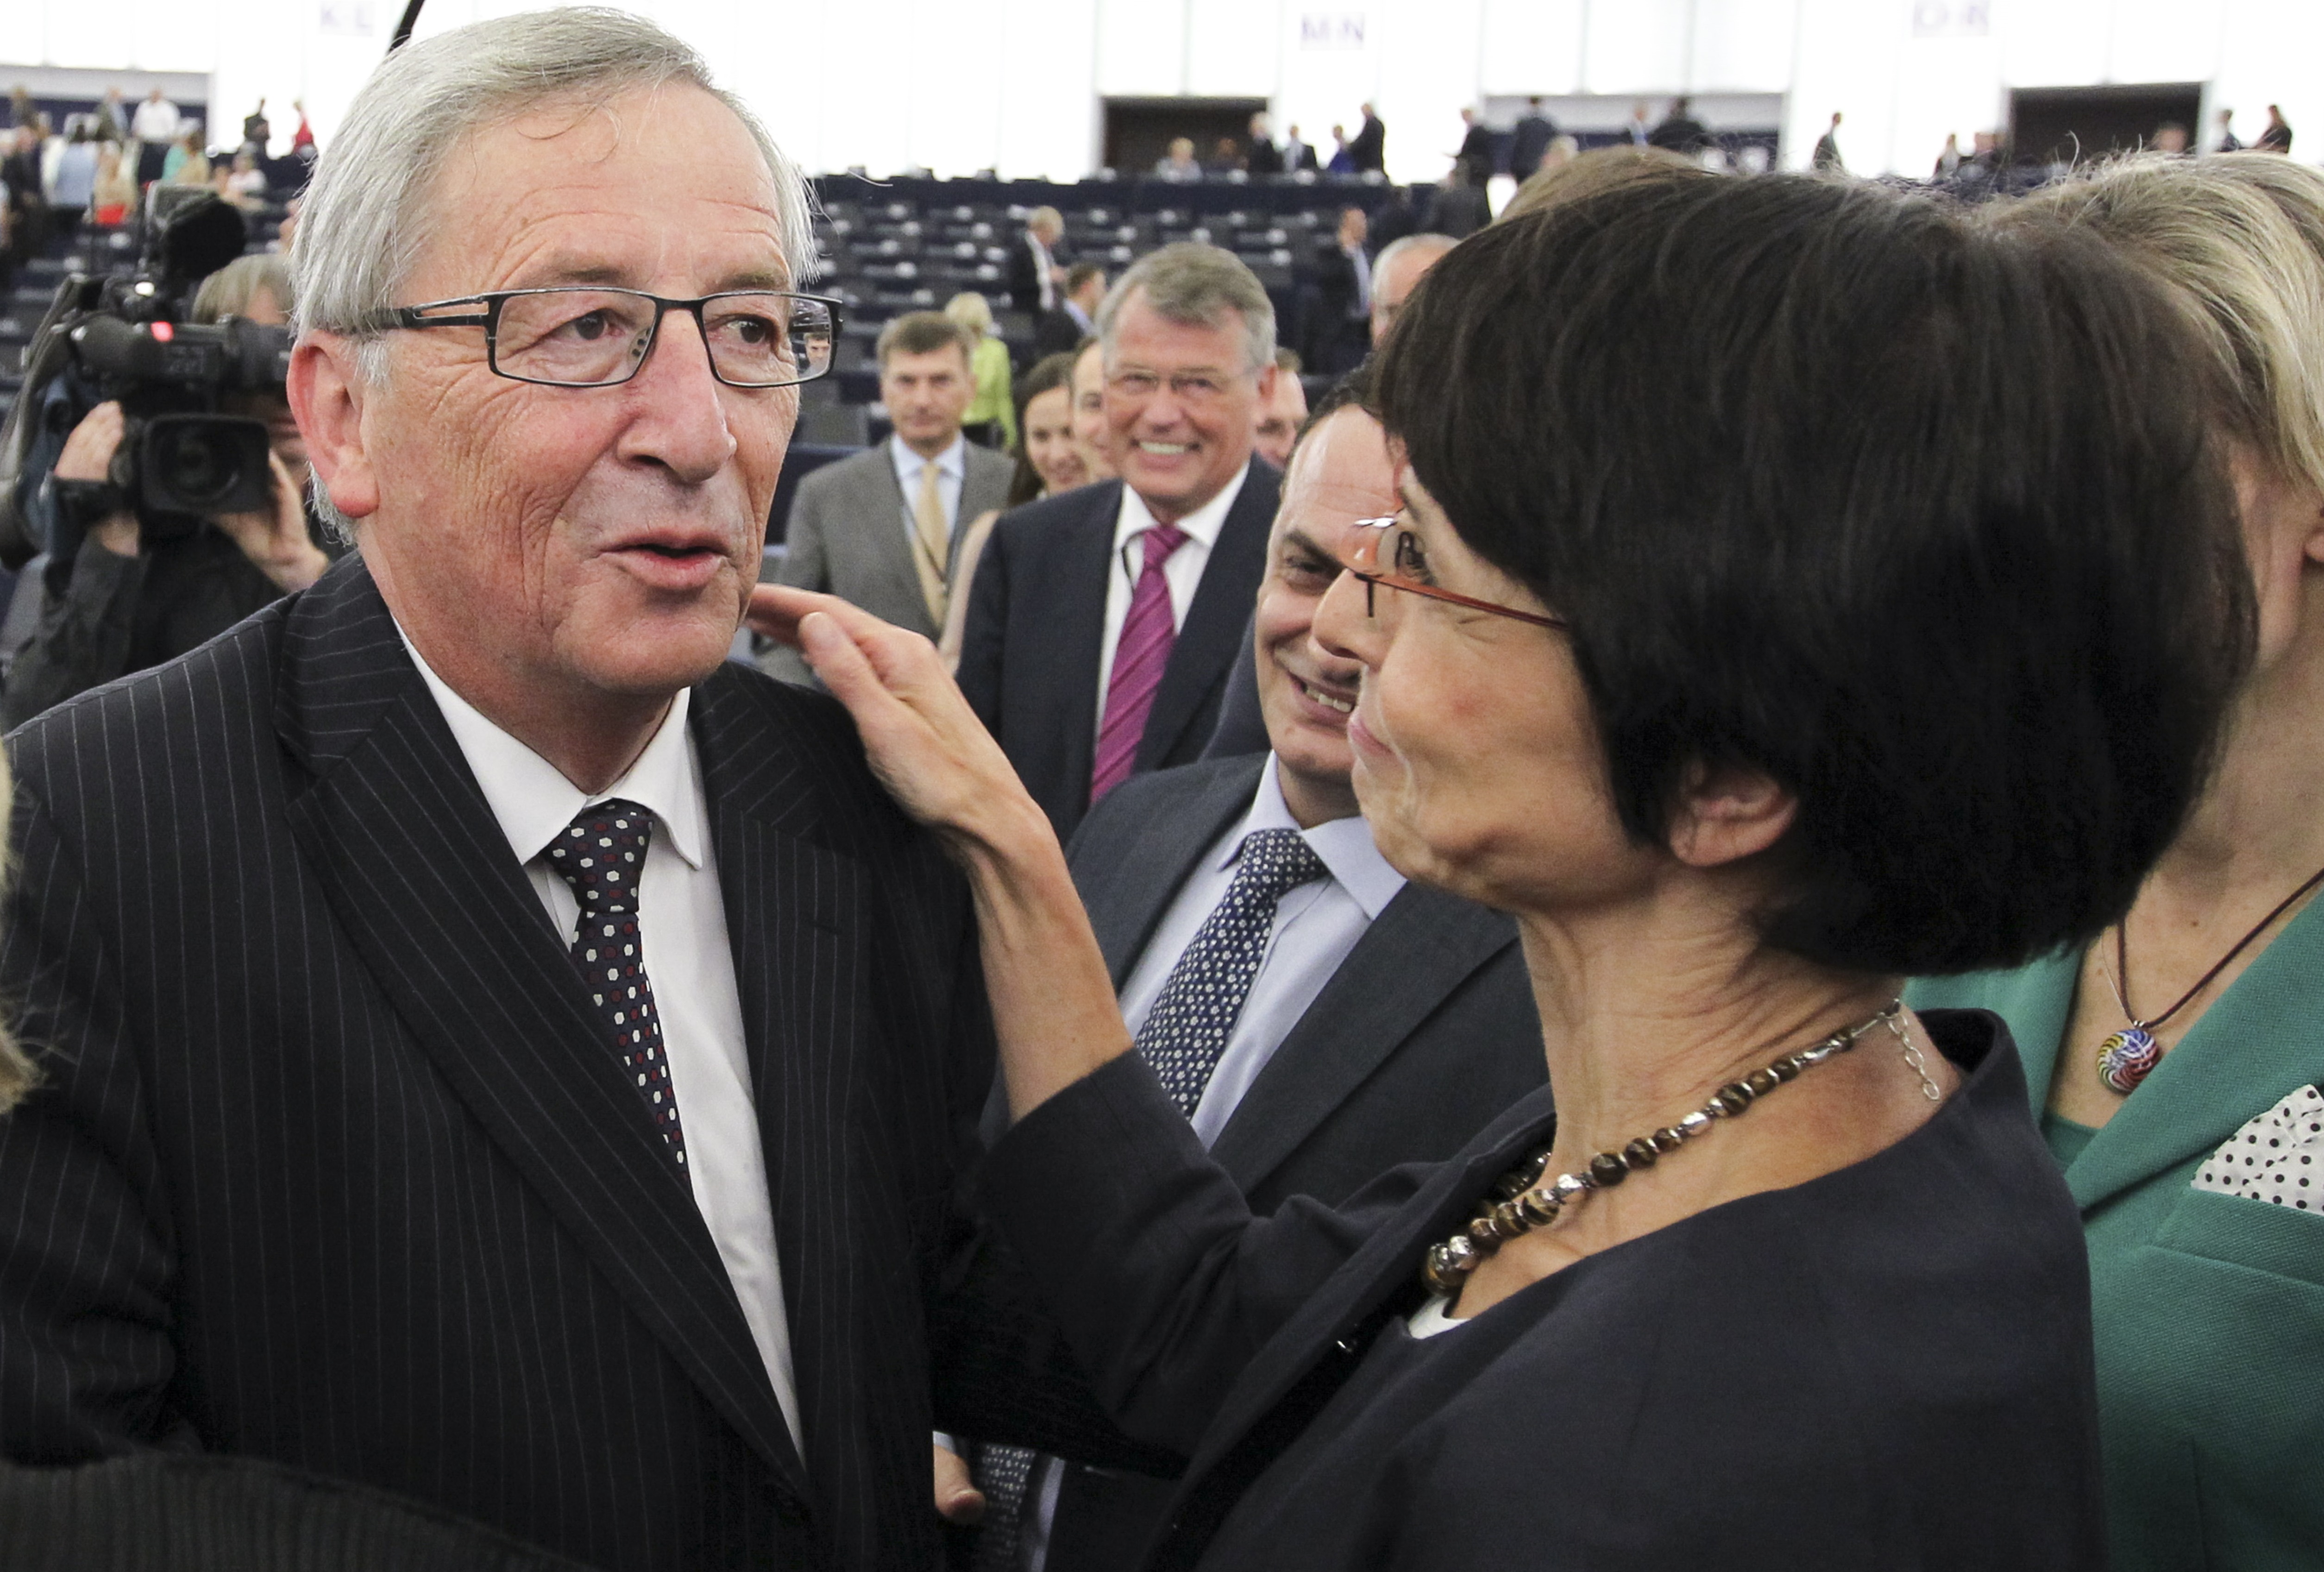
335,1164
1025,273
1029,654
1266,158
1368,148
1933,1302
1529,143
1242,720
190,1511
1337,288
1055,333
1425,1035
1476,151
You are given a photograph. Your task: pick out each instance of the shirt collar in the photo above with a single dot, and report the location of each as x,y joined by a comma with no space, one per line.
952,463
1344,845
1202,525
533,801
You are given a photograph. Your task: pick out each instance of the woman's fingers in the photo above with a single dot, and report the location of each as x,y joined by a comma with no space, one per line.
958,1499
775,610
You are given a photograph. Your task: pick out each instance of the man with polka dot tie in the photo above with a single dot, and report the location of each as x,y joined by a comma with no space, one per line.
497,1050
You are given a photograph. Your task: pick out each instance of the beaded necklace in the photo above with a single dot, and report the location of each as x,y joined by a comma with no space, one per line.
1528,1199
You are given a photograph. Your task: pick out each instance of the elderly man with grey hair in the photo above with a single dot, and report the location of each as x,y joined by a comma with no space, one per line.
1102,621
493,1049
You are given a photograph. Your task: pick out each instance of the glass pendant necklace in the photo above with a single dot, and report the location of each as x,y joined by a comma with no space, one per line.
2127,1057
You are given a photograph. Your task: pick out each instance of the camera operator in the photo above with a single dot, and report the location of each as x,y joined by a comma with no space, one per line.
126,601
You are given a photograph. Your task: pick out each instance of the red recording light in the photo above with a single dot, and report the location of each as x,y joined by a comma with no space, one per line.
163,332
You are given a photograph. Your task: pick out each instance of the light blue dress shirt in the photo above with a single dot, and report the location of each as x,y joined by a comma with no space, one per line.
1316,925
951,472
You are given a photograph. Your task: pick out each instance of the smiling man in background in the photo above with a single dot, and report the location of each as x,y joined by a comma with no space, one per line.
496,1050
1102,622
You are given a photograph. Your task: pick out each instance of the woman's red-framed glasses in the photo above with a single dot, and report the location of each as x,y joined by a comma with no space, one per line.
1369,542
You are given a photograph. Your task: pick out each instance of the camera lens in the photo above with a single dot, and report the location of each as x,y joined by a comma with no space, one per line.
195,469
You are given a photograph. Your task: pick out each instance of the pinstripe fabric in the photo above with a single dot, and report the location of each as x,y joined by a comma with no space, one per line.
332,1165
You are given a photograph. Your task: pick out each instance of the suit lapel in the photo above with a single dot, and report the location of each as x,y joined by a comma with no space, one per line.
887,516
1215,622
1425,945
1074,611
2250,1048
1128,896
419,874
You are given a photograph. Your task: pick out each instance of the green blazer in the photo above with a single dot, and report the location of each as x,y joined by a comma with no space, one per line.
2207,1310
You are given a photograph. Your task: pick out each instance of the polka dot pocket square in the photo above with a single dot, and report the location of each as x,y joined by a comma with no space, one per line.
2277,1158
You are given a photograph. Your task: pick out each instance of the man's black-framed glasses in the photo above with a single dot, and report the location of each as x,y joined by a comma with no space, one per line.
584,335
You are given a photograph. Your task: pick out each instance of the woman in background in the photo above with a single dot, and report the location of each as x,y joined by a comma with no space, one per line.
1048,460
115,195
991,418
2175,1063
186,164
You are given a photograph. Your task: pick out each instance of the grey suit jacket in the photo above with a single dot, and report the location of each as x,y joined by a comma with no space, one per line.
1424,1037
847,538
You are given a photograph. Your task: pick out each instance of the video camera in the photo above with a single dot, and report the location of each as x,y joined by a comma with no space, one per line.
124,338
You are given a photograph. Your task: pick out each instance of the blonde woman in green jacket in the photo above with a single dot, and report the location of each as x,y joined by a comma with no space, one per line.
991,408
2174,1064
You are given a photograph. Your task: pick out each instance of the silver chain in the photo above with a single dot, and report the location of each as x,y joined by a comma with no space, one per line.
1913,1058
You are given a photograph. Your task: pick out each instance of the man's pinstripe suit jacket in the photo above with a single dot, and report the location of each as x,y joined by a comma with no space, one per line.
335,1165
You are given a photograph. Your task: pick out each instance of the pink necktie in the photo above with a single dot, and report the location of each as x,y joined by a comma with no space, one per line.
1144,650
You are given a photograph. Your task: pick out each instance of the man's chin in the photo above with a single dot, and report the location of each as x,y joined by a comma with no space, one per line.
659,652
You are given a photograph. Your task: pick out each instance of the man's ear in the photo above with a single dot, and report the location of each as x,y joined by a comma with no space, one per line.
1728,812
1267,375
326,391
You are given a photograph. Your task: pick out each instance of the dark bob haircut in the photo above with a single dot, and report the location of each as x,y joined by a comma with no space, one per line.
1833,484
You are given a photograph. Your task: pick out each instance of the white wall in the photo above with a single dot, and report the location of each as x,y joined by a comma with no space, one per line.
1016,84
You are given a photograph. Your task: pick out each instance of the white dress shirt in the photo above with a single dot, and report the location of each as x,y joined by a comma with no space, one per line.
155,123
1044,266
1316,925
1182,572
691,965
952,474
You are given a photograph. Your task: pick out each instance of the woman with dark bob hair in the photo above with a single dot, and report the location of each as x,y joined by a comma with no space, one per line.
1798,588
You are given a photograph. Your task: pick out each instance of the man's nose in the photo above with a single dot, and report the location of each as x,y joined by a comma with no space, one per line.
681,421
1165,408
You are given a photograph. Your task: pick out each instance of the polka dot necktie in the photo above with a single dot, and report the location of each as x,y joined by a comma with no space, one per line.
1195,1013
602,855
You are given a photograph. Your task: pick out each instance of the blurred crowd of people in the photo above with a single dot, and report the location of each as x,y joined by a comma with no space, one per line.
92,165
